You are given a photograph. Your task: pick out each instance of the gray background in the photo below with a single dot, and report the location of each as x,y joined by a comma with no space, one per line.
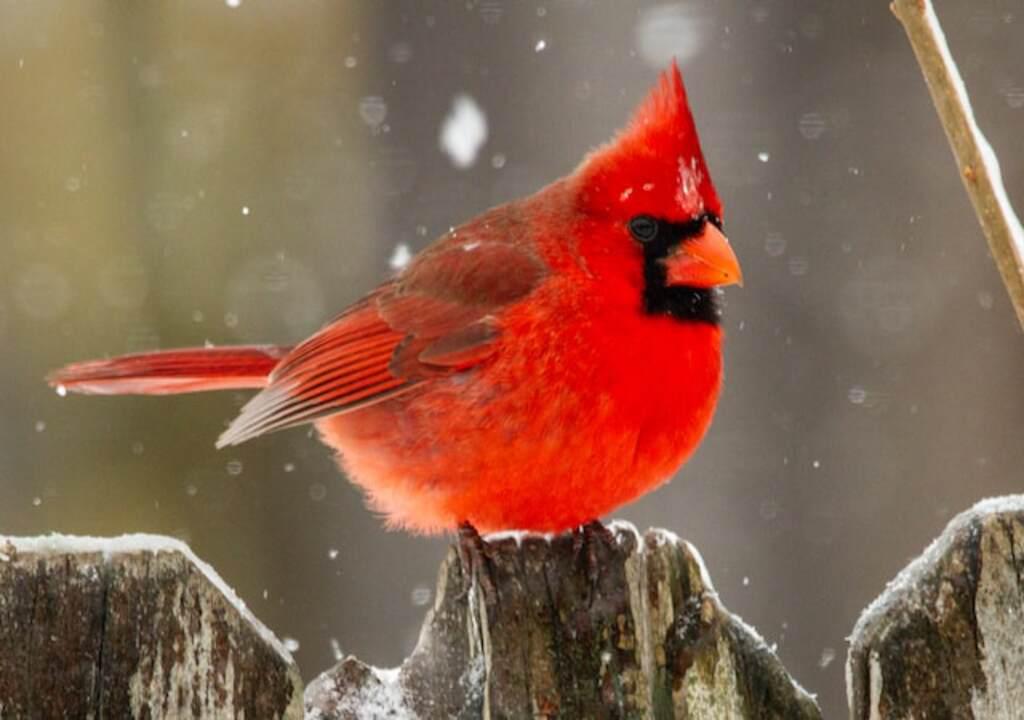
873,362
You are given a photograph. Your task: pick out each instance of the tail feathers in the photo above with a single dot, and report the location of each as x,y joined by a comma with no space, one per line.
169,372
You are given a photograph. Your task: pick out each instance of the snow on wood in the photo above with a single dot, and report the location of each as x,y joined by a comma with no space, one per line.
946,638
131,626
579,625
622,625
56,544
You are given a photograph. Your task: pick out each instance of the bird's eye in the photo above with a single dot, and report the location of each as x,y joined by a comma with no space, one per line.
643,228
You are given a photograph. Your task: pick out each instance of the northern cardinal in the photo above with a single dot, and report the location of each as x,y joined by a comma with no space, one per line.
535,368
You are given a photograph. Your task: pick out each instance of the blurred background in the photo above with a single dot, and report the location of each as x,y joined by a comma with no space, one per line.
180,172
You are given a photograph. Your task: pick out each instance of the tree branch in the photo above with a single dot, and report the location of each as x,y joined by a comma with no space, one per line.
978,165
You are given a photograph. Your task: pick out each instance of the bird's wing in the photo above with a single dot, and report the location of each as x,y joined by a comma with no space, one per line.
437,317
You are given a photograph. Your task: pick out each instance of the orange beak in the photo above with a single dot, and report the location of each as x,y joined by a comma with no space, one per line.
704,261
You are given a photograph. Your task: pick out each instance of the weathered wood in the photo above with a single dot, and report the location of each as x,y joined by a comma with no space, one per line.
131,627
946,638
644,638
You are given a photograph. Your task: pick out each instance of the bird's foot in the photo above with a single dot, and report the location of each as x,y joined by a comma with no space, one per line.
585,541
474,554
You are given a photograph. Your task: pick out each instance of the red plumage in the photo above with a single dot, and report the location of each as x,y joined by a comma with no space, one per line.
535,368
170,372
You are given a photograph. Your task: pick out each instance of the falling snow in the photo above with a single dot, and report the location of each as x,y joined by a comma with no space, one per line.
336,650
400,257
420,595
668,31
373,110
827,656
464,132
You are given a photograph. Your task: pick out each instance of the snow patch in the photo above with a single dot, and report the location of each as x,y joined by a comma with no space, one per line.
617,527
379,698
624,527
1003,504
517,535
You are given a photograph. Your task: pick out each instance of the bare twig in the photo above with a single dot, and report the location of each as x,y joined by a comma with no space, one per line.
978,165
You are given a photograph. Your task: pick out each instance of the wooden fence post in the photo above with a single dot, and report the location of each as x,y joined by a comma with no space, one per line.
946,638
601,626
131,627
644,637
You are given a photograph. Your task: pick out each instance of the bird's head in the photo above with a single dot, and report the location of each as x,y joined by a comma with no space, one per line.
651,209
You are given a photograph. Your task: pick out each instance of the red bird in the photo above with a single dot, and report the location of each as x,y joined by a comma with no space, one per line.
535,368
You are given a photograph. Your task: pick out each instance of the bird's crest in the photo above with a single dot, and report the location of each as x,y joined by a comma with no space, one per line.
656,159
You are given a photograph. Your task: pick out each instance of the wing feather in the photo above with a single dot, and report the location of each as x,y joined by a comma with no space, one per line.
438,317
